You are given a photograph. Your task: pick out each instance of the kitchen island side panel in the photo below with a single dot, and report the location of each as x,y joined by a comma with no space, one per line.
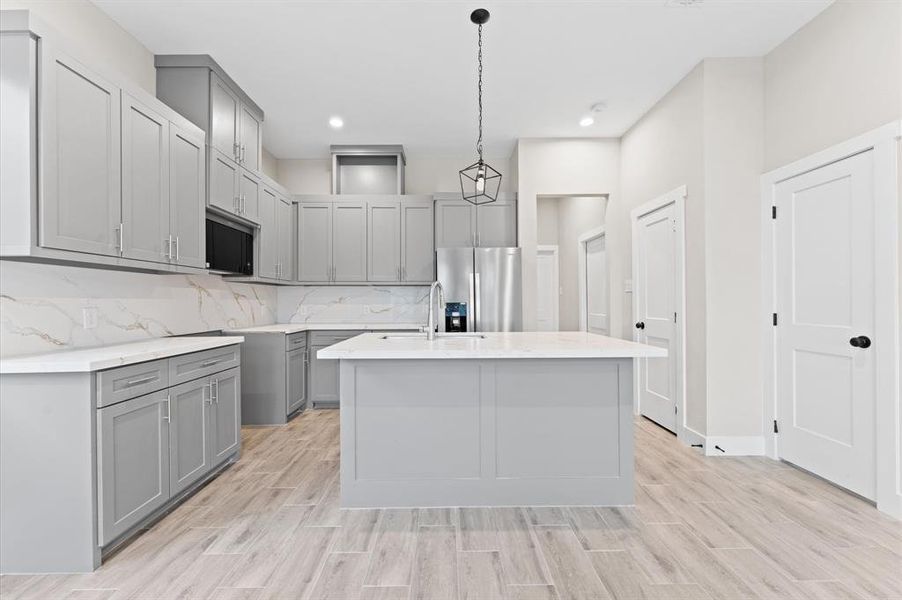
486,432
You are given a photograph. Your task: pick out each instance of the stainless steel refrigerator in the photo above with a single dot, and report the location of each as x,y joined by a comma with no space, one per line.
483,289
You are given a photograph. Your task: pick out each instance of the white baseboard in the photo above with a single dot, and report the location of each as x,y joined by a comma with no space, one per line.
692,438
734,445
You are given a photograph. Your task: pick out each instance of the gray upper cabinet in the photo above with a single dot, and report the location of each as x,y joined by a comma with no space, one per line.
455,224
496,224
314,261
349,241
189,454
249,193
459,224
224,192
133,474
187,190
417,247
225,415
145,183
268,235
250,142
224,118
285,225
384,239
79,113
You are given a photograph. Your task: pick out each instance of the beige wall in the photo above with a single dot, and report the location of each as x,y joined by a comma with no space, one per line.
422,175
837,77
95,37
661,152
557,167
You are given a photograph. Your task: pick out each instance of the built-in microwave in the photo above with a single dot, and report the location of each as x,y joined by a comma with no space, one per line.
230,249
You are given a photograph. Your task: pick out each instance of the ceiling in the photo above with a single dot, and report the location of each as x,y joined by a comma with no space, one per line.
404,72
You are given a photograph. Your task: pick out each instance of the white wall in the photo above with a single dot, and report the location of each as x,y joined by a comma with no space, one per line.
270,165
555,167
661,152
837,77
422,175
95,37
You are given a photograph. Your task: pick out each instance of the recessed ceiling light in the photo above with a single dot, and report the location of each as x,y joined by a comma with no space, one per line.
586,121
598,107
336,122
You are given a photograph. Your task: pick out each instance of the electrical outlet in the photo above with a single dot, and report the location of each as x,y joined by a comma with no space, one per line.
366,309
89,317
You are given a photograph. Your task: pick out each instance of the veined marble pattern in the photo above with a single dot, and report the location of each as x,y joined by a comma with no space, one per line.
41,306
340,304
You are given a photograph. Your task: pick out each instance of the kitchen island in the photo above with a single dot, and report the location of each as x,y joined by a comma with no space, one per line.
495,419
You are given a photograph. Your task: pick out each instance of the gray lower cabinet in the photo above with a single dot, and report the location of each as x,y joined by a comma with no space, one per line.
225,415
133,478
189,433
324,387
273,376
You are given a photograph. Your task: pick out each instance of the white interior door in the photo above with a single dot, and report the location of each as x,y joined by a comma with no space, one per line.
597,311
825,264
656,289
547,300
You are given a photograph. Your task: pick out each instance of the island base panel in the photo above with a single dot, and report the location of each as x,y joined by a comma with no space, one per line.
486,432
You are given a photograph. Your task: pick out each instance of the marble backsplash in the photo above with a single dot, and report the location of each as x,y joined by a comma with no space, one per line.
353,304
42,307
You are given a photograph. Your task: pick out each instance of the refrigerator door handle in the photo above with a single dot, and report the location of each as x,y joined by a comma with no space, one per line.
472,308
477,301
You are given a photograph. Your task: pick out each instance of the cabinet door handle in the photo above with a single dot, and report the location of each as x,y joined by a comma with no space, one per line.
168,243
176,248
243,148
119,236
208,394
235,150
216,395
168,415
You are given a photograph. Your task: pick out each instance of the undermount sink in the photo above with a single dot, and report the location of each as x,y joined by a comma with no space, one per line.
438,336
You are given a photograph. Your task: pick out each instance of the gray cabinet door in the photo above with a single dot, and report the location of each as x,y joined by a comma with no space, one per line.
296,374
250,196
383,221
133,479
268,235
223,182
286,238
80,154
249,139
496,224
145,183
349,241
455,224
187,193
417,242
314,261
189,457
225,415
324,390
224,108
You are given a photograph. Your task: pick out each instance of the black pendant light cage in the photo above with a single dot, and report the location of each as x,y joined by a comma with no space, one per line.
480,182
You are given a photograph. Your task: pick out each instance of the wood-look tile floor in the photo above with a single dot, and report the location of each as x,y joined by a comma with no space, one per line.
270,528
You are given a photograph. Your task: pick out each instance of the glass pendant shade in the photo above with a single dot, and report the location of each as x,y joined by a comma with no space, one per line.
480,183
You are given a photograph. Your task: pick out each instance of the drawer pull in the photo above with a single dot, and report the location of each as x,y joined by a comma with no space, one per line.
210,363
139,381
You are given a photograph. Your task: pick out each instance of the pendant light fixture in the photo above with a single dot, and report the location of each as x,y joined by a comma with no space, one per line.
479,183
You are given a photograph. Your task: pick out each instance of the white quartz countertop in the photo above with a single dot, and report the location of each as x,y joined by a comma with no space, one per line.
570,344
296,327
106,357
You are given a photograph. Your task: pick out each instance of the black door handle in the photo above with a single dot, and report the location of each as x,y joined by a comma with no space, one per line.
640,325
861,341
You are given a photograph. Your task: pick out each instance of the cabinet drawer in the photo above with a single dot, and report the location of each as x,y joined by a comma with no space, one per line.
200,364
124,383
327,338
296,341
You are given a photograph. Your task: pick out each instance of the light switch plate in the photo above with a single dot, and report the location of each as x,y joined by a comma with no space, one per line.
89,317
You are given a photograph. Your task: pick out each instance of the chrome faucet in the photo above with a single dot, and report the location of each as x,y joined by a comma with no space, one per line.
430,325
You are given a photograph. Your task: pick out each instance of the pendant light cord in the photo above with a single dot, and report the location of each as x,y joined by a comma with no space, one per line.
479,140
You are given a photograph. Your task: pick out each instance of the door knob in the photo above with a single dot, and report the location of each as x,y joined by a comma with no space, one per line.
640,325
862,341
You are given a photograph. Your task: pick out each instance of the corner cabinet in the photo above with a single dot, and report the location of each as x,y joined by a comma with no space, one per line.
459,224
273,376
92,173
375,239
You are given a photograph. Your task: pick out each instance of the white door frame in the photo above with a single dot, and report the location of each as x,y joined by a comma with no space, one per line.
557,275
884,142
677,197
582,242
